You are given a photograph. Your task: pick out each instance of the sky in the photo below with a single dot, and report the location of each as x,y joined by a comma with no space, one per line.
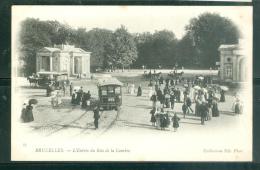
137,19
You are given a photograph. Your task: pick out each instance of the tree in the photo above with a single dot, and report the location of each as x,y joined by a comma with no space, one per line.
186,52
157,48
33,36
122,51
208,32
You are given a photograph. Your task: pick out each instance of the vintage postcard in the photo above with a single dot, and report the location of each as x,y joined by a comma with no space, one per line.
131,83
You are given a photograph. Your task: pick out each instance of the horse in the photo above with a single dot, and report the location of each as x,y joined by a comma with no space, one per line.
33,80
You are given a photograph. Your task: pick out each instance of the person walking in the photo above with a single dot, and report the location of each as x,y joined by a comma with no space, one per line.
71,89
64,88
184,109
153,99
28,114
188,103
167,100
96,116
153,120
222,96
139,91
175,122
215,111
203,109
172,100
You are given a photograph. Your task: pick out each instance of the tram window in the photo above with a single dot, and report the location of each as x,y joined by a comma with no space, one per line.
117,90
110,90
105,100
104,92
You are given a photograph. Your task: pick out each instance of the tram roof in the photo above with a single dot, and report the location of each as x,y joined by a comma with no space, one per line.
109,81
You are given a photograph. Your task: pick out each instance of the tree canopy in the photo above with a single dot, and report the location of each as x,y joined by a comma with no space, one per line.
119,48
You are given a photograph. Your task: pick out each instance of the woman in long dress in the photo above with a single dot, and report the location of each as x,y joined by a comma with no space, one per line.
153,99
215,111
175,122
153,120
28,114
222,96
23,114
139,91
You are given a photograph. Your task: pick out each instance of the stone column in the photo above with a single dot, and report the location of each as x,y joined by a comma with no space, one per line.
51,61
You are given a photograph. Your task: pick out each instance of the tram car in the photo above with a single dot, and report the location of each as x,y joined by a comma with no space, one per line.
110,93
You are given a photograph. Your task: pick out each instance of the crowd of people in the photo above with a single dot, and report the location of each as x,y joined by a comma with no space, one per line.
198,91
78,97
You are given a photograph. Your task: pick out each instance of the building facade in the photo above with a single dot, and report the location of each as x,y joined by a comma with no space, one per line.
63,58
233,66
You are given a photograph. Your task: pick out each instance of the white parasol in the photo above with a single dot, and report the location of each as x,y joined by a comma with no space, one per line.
197,87
200,77
225,88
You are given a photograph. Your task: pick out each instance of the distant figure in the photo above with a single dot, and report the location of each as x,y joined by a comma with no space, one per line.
184,109
161,80
215,111
71,89
139,91
127,88
189,103
48,90
167,100
28,114
172,100
132,91
175,122
64,88
238,106
79,95
88,97
222,96
96,116
203,109
153,99
23,114
74,97
84,100
153,120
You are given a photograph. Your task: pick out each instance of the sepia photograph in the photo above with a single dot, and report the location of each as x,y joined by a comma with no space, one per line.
131,83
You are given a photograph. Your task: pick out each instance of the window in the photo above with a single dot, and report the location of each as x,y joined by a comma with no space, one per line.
228,71
117,90
228,59
45,63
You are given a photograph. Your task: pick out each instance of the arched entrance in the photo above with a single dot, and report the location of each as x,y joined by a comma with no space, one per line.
242,70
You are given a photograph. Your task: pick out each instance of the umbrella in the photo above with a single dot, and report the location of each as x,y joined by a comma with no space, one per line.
225,88
33,101
197,87
186,85
200,77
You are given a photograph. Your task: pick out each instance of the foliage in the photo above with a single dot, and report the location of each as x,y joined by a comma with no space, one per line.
208,32
121,52
197,48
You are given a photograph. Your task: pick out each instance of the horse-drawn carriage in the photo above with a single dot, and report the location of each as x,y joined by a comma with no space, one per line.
43,79
110,93
151,76
175,74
